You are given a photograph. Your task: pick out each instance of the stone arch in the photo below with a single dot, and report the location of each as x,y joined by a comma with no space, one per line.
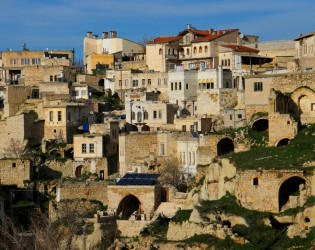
101,82
260,125
287,188
129,205
145,128
301,103
283,142
225,146
78,171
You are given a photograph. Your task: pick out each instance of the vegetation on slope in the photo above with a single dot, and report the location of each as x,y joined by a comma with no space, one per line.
299,151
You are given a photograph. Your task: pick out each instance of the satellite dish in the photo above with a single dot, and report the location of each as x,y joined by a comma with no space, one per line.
241,35
91,112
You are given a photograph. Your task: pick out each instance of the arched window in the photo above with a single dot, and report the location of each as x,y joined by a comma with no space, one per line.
195,50
169,51
229,62
160,51
206,49
200,49
187,51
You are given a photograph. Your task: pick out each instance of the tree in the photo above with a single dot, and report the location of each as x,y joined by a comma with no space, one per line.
171,172
15,149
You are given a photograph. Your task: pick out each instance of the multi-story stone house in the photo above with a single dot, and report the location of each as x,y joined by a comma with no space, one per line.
108,49
62,120
305,51
30,65
191,48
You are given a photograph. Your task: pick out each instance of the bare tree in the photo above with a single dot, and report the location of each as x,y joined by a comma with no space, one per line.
15,149
171,172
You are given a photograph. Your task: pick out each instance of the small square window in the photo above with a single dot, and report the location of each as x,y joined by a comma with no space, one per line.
239,116
258,86
255,181
83,148
91,148
13,164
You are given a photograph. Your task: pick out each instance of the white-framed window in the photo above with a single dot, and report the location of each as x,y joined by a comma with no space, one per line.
258,86
160,114
149,81
25,61
143,81
162,149
83,148
35,61
91,148
126,82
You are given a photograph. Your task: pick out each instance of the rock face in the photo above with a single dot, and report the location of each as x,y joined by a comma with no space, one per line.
219,179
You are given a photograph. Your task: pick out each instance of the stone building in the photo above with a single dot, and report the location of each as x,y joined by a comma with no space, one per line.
14,62
15,171
62,121
304,46
21,131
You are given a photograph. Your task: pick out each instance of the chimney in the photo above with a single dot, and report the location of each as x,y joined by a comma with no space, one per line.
105,35
211,31
113,33
95,36
89,34
188,26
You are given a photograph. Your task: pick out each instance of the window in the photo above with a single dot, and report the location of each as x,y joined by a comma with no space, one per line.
206,49
159,81
134,83
51,78
55,78
160,114
255,181
119,83
51,116
186,85
83,92
175,85
143,81
126,82
102,174
25,61
172,86
195,50
258,86
231,117
313,107
200,49
149,81
83,148
239,116
192,128
162,149
212,85
165,81
184,128
13,164
91,148
154,114
36,61
180,86
187,39
146,115
14,61
160,51
187,51
59,116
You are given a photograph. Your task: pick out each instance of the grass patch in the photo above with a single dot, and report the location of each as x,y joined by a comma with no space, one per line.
294,155
182,215
157,229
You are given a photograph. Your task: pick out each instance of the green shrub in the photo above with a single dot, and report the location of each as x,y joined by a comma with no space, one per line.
241,230
182,215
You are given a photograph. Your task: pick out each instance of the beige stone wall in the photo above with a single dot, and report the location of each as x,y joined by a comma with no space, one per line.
94,59
147,196
54,87
88,190
93,146
15,171
265,195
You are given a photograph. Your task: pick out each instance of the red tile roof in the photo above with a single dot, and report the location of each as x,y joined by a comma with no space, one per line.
215,34
240,48
165,39
200,32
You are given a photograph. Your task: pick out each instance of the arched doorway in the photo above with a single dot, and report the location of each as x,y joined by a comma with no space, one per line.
225,146
283,142
128,206
145,128
78,171
261,125
287,188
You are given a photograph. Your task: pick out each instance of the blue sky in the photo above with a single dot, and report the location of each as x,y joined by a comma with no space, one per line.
62,24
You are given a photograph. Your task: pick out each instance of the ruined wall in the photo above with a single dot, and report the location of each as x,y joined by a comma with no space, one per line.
88,190
265,195
15,171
